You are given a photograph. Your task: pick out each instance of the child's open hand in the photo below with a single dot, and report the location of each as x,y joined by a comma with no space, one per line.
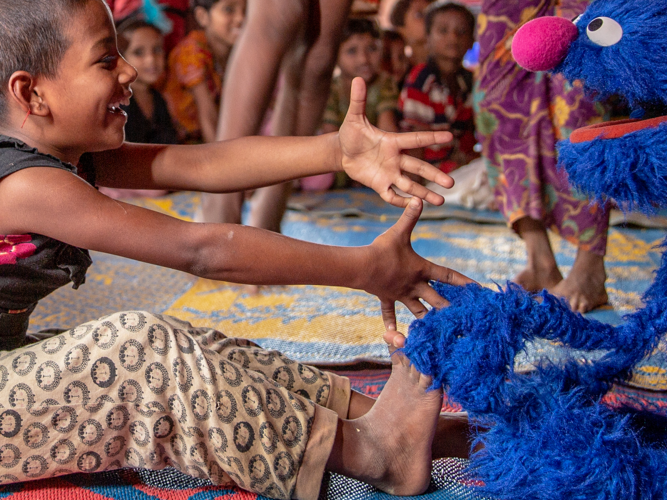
397,273
374,157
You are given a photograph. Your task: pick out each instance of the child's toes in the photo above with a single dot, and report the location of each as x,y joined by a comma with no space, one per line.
394,339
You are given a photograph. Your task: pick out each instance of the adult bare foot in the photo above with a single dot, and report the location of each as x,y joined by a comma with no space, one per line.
390,446
541,270
584,286
535,278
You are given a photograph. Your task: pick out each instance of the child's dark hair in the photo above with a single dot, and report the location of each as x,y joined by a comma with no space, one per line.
127,27
444,6
32,38
398,12
205,4
360,26
388,37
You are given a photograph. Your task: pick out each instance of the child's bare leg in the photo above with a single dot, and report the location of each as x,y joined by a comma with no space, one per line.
541,269
584,287
220,208
319,64
390,446
252,73
269,205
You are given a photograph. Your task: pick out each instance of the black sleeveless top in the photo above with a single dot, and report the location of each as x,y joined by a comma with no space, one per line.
32,265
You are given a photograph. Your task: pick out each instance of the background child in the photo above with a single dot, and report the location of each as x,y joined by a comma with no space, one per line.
360,54
407,18
197,67
148,119
143,390
394,60
437,95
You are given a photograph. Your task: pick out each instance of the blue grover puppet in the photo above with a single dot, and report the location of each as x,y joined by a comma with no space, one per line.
546,434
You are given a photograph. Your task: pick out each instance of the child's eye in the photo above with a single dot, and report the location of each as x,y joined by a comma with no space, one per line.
109,62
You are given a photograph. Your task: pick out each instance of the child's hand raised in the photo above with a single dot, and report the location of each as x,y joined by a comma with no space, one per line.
396,273
374,157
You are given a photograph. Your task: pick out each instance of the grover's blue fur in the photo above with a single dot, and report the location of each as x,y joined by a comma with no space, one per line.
636,67
546,434
631,169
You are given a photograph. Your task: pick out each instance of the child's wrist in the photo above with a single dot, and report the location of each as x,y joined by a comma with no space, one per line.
336,153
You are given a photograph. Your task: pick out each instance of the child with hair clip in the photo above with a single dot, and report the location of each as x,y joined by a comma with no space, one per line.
196,68
136,389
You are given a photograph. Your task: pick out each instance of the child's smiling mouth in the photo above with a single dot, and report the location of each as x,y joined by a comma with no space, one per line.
115,108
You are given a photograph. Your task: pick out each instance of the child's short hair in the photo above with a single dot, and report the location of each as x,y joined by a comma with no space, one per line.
205,4
445,6
128,26
360,26
32,38
398,12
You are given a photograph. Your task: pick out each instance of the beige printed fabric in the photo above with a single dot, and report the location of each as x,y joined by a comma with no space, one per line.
135,389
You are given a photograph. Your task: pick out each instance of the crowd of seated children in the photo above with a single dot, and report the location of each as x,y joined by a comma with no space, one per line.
438,94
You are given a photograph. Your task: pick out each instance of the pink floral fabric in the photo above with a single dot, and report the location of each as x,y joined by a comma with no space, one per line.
15,247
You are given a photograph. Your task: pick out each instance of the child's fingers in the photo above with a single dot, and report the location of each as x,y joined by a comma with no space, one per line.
433,298
448,276
416,140
416,307
410,216
388,308
415,189
425,171
390,196
357,98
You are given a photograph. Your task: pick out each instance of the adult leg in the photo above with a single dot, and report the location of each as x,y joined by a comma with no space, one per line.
584,287
271,28
319,63
541,270
303,96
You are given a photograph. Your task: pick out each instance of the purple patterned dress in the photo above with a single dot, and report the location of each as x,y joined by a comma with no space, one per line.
521,116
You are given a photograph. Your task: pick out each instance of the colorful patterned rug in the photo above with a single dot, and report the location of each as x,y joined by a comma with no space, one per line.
331,326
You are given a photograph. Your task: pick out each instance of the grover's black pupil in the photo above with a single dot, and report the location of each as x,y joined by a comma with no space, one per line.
596,24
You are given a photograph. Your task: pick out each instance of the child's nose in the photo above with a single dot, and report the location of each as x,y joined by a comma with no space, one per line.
543,43
128,73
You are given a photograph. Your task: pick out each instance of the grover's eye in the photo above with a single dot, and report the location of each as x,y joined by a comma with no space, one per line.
604,31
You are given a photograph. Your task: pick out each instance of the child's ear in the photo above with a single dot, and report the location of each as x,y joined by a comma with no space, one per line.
24,92
201,16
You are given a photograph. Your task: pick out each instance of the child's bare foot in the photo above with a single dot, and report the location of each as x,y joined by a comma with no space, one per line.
584,287
390,446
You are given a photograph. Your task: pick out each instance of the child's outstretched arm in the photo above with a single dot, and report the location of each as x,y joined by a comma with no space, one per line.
56,203
368,154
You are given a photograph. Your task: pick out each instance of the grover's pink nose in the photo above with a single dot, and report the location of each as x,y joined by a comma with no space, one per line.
542,43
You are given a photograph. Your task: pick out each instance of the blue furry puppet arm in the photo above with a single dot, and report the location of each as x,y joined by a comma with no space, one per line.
527,420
